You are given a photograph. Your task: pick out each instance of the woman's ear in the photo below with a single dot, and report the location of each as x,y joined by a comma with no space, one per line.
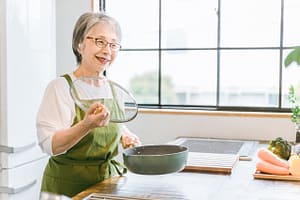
79,48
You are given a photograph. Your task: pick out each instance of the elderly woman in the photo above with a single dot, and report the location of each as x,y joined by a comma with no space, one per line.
82,144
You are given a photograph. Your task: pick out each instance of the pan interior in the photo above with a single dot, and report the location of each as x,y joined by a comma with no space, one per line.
155,150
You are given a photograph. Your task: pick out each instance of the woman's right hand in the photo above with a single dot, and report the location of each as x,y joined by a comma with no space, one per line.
96,116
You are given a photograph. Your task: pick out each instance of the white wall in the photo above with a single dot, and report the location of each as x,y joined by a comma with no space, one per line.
157,128
67,12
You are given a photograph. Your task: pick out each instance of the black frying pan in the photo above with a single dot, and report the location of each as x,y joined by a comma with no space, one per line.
155,159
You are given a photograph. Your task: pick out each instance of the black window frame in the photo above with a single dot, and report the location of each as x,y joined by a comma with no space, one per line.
217,107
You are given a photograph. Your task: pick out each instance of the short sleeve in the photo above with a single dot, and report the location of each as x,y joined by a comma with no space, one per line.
56,112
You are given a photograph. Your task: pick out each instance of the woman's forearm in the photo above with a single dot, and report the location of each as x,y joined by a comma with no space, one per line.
63,140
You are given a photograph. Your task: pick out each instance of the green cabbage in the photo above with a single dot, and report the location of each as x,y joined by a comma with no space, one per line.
280,147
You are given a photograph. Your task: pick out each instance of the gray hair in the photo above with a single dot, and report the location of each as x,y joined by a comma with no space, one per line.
84,23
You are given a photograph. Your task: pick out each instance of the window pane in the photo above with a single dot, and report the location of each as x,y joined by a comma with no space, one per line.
138,20
189,77
189,23
250,23
249,78
291,23
291,76
138,72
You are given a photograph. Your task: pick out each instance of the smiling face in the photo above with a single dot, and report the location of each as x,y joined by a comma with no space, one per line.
94,59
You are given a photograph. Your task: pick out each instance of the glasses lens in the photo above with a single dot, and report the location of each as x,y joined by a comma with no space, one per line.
101,43
115,46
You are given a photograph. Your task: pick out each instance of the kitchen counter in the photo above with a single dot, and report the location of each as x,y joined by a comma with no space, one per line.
238,185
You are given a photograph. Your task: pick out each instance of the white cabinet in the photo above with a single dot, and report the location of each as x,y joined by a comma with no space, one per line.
22,182
11,157
27,64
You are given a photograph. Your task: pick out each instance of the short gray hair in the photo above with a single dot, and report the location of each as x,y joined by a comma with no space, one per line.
84,23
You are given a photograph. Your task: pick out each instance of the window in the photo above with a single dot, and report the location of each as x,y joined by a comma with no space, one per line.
215,54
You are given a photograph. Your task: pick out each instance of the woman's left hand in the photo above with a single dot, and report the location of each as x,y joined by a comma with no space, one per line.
129,140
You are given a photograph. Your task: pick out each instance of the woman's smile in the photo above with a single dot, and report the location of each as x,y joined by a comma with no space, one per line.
103,60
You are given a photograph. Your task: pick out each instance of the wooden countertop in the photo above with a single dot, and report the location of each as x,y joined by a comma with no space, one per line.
238,185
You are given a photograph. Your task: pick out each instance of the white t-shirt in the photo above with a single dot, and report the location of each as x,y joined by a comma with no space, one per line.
56,112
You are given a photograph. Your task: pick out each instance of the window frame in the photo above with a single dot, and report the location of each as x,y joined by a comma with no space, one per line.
218,49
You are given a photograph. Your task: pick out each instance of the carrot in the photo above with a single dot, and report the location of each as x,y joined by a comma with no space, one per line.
269,156
269,168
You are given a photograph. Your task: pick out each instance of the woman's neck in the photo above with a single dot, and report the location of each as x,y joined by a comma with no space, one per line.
82,72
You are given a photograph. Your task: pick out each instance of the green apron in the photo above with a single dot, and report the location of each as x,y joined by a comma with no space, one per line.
89,161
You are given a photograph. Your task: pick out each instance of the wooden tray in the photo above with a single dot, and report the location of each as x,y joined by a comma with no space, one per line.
99,196
259,175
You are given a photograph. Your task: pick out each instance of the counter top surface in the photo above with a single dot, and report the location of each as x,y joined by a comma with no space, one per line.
240,184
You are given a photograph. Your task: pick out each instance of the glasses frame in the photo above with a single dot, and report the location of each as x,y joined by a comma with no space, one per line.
114,46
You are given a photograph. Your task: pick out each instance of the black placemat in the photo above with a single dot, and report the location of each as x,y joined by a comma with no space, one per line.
209,146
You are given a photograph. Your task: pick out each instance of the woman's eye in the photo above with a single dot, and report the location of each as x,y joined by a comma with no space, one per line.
101,42
112,45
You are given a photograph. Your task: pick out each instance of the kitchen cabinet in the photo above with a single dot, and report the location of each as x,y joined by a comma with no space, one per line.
22,182
27,64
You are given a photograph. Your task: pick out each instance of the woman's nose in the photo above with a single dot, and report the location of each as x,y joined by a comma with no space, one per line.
107,49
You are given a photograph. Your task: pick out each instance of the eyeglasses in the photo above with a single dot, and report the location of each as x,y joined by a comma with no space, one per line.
102,43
